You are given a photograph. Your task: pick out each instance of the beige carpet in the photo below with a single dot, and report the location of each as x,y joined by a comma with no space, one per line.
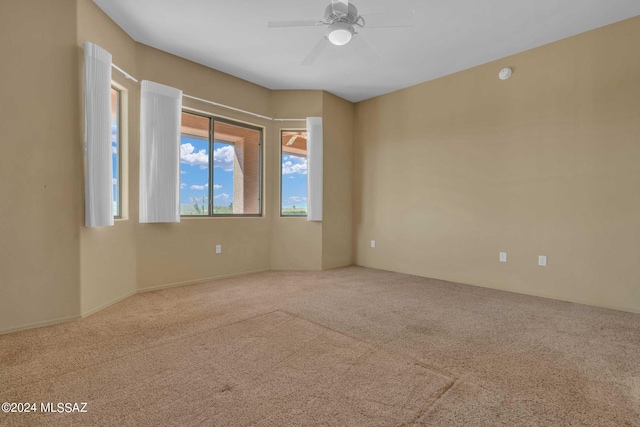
352,346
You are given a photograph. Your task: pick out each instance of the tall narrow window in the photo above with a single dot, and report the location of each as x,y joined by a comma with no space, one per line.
293,178
221,167
115,151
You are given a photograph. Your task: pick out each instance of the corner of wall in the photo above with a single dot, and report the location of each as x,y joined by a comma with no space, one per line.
107,254
296,244
337,231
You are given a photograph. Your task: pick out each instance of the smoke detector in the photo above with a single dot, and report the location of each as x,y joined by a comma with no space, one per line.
505,73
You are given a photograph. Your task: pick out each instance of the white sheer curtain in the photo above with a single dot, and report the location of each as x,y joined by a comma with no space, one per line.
97,136
314,168
160,109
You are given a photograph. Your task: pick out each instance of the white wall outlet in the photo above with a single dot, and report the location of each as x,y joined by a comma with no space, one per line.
503,257
373,243
542,260
218,249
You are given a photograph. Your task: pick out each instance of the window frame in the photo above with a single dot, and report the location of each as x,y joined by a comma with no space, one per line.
212,120
118,91
282,131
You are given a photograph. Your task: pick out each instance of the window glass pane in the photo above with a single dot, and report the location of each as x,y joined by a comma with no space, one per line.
294,173
115,149
194,165
220,174
223,171
236,169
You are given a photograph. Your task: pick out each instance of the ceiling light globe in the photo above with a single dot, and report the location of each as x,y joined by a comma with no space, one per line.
340,34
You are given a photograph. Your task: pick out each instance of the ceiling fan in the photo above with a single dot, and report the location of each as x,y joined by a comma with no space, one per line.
341,19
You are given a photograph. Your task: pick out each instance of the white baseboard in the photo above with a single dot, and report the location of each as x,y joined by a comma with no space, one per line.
107,304
247,273
514,291
39,324
336,266
120,298
196,281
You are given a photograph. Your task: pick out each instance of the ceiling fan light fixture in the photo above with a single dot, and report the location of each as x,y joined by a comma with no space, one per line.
340,33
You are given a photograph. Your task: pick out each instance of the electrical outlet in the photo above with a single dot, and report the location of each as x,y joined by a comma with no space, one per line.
503,257
373,243
218,249
542,260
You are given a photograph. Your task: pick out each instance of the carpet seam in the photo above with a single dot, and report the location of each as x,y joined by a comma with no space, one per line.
365,354
439,371
431,402
434,403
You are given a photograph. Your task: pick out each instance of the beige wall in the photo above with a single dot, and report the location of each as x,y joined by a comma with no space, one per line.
544,163
296,244
337,220
108,254
450,172
40,163
178,253
54,268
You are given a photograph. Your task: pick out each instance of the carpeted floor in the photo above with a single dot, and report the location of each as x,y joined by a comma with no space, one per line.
351,346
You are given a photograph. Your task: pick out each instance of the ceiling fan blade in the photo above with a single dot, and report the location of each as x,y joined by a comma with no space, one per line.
368,51
340,7
285,24
389,20
317,50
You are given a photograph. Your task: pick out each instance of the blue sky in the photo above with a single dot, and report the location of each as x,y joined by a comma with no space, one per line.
294,181
194,171
114,163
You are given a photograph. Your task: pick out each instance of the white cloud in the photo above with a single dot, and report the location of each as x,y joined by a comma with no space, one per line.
223,157
198,187
216,186
295,165
114,149
114,181
223,196
182,172
183,185
296,199
190,157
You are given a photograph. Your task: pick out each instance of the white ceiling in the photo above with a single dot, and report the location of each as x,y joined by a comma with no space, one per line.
448,36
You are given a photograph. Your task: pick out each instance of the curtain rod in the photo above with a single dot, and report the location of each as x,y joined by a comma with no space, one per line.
127,75
130,77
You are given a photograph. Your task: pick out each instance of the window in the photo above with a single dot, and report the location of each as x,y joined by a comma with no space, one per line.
220,167
115,151
293,177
